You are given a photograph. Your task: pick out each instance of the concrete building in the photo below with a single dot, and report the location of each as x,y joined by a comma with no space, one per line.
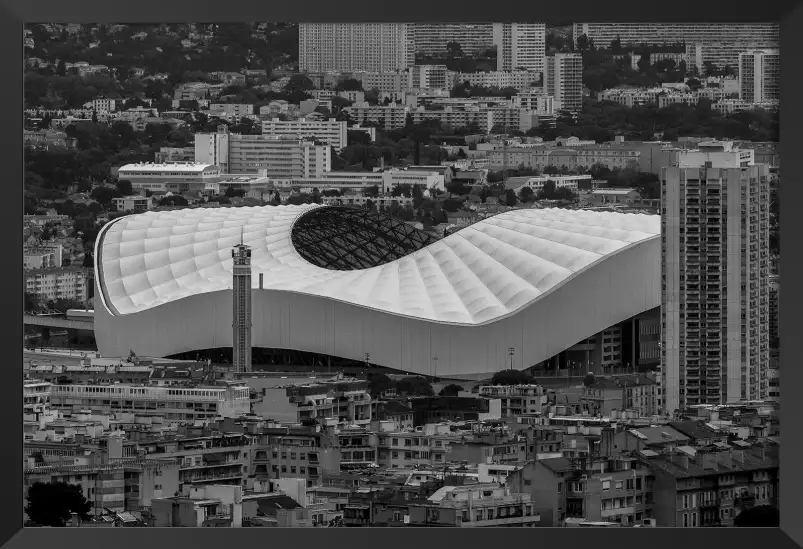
520,46
602,34
426,77
715,240
234,110
332,132
699,488
536,101
268,155
475,506
563,80
375,47
520,80
180,403
171,177
55,283
615,196
760,76
123,485
431,39
134,204
323,402
388,117
43,255
294,453
516,400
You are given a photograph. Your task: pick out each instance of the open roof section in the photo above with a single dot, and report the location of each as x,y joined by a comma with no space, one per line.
348,238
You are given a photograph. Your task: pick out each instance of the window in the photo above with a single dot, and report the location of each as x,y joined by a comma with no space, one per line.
560,487
694,519
685,520
606,485
618,484
284,468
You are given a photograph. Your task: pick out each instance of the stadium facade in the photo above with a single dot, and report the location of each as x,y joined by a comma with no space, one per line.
345,282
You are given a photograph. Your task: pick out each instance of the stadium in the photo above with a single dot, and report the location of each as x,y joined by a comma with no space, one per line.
515,290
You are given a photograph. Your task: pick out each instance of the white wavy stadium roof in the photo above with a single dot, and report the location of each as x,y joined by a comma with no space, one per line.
480,274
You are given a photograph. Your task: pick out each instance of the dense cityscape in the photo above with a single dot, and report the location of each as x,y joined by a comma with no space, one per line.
401,275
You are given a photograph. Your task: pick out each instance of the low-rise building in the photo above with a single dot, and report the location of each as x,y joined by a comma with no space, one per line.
478,505
615,196
134,204
54,283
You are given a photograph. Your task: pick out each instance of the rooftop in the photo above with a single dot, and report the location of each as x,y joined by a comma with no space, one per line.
190,167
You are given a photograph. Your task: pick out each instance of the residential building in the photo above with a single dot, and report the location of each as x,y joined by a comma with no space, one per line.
122,485
774,312
171,177
520,46
387,82
516,400
564,80
711,488
602,34
388,117
722,55
175,154
616,489
335,400
715,305
373,47
295,452
55,283
536,183
179,403
615,196
584,157
135,204
267,155
475,506
332,132
220,458
431,39
43,255
535,100
426,77
520,80
760,76
235,110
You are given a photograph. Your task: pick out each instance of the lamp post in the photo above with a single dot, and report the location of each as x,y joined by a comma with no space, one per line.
510,353
367,359
434,367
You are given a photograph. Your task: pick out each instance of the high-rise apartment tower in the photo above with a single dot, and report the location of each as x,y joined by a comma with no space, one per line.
241,321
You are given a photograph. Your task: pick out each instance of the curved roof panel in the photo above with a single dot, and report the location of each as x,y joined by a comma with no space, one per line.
477,275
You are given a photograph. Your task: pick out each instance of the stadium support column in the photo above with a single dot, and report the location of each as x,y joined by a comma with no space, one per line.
241,321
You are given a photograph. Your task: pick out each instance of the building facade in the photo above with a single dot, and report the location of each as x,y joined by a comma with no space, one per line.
431,39
373,47
564,80
332,132
760,76
520,46
715,305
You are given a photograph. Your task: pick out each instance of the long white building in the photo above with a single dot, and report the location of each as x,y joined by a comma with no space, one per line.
270,155
715,305
332,132
678,33
431,39
340,282
373,47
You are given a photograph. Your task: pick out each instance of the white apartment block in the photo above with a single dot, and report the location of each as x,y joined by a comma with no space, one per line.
104,105
520,46
332,132
564,80
537,183
715,304
457,117
172,176
135,204
389,117
760,76
43,255
386,180
179,403
391,82
678,33
426,77
275,156
536,101
58,283
431,39
373,47
520,80
236,110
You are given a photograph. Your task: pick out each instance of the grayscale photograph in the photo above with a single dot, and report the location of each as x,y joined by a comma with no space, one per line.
328,275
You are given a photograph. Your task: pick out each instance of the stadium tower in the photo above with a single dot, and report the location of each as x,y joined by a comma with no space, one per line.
241,322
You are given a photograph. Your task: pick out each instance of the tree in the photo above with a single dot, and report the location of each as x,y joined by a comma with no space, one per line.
763,516
511,377
589,379
174,200
454,50
125,188
31,302
526,194
584,43
510,197
104,195
417,386
51,504
451,390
